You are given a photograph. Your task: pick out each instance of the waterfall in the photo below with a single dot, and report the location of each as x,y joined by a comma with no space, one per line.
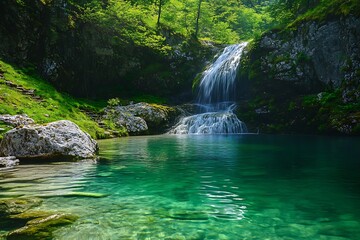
216,96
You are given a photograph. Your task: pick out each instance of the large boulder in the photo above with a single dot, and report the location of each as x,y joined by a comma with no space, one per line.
62,139
142,117
132,123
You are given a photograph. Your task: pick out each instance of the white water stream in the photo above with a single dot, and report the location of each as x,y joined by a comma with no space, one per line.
217,93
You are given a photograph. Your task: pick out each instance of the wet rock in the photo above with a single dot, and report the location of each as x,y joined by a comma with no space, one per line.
17,206
61,139
29,215
8,162
43,227
16,120
142,117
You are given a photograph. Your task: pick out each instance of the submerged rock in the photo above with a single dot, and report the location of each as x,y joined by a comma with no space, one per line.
8,162
61,139
16,120
43,227
17,206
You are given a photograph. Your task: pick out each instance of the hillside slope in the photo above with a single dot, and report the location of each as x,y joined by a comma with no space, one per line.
22,92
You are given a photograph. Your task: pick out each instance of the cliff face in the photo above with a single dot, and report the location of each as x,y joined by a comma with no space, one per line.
315,54
311,72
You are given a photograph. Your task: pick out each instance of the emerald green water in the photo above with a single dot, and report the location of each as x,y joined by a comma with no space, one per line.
204,187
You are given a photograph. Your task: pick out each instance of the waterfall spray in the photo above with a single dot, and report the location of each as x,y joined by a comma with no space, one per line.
216,96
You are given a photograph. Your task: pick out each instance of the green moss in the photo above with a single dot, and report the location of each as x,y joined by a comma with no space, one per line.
196,82
30,215
281,58
328,9
17,205
302,58
42,228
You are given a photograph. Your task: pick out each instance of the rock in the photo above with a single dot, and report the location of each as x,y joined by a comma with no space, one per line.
17,206
7,162
16,120
43,227
151,113
29,215
61,139
132,123
314,54
141,117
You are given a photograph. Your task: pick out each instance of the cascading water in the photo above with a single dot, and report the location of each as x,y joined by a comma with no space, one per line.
217,92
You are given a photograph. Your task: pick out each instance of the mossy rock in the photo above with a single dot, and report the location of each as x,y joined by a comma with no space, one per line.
17,205
43,227
30,215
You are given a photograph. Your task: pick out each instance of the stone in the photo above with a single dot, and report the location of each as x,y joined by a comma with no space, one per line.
57,140
132,123
16,120
149,112
314,53
17,205
29,215
43,227
8,162
142,117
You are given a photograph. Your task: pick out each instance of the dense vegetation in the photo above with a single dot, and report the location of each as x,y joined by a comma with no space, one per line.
102,49
46,104
136,49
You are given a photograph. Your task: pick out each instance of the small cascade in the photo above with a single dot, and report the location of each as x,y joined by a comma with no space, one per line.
216,96
218,83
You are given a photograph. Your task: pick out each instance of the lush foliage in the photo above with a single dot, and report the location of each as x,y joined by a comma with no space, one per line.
50,105
295,11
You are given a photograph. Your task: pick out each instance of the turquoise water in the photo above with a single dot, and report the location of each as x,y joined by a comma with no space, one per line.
204,187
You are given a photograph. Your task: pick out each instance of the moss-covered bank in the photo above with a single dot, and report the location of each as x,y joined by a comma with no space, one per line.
306,78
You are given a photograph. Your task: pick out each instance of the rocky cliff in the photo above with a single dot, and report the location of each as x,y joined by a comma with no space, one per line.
306,76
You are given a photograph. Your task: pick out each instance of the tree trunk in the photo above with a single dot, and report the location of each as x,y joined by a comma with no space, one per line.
159,12
197,19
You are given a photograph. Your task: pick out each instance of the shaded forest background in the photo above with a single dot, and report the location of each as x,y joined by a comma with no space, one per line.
105,48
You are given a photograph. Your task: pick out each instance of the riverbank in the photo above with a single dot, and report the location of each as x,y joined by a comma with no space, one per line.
25,98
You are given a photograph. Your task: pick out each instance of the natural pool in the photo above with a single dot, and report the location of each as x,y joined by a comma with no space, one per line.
204,187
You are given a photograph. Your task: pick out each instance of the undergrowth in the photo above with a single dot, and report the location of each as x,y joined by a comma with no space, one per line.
53,105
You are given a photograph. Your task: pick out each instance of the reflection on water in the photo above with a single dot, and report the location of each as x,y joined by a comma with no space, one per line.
204,187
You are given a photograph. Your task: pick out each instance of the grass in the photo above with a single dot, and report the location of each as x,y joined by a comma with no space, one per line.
54,106
329,8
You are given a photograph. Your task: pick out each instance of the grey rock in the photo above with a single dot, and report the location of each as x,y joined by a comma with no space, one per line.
132,123
140,117
16,120
146,111
62,139
315,54
8,162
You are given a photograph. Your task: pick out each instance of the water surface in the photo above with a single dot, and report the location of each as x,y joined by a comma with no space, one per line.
204,187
